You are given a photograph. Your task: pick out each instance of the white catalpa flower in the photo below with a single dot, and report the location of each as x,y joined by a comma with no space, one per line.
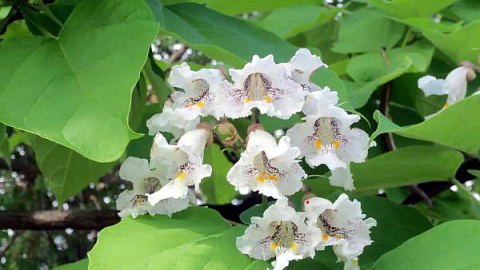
326,138
182,164
302,66
170,121
320,102
145,181
281,233
261,84
343,226
182,111
267,167
454,85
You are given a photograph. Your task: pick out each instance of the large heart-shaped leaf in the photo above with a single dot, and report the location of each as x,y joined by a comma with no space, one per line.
76,89
67,171
402,167
197,238
443,128
451,245
460,45
219,36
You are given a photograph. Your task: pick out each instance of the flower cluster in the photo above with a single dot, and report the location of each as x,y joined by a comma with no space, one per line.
265,165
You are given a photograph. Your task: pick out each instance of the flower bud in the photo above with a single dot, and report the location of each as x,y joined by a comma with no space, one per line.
227,132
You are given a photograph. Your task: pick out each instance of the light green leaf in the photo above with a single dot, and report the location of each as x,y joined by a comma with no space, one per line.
384,125
367,30
232,7
216,189
460,45
467,10
327,77
452,245
192,239
411,8
76,89
15,30
67,171
291,20
402,167
219,36
429,23
444,128
80,265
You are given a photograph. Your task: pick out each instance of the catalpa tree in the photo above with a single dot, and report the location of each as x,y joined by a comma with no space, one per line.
219,134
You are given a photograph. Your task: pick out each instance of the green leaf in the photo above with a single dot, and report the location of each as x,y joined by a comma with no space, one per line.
371,70
4,145
452,245
444,128
291,20
460,45
219,36
192,239
429,23
327,77
467,10
76,89
402,167
232,7
80,265
367,30
67,171
411,8
216,189
15,30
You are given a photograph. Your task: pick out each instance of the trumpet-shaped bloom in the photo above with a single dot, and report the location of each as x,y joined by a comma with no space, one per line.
267,167
182,164
454,85
261,84
326,138
145,181
302,66
343,226
320,102
183,109
281,233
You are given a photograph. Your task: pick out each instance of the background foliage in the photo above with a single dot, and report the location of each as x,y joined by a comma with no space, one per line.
79,78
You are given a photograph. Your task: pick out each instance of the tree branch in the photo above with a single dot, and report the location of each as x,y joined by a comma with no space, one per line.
58,220
390,143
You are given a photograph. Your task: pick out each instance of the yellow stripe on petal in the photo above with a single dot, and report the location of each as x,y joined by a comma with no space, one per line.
294,246
200,104
317,144
181,176
273,246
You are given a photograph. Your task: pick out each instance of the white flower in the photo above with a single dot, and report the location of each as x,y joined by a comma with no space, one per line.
170,121
326,138
182,164
267,167
454,85
343,226
320,101
281,233
261,84
183,109
302,66
145,181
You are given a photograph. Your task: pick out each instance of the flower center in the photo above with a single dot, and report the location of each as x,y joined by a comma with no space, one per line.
285,235
139,199
182,172
151,184
264,170
258,85
326,134
200,86
325,223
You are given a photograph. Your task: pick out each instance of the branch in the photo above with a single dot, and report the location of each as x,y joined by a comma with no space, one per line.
390,143
177,55
58,220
